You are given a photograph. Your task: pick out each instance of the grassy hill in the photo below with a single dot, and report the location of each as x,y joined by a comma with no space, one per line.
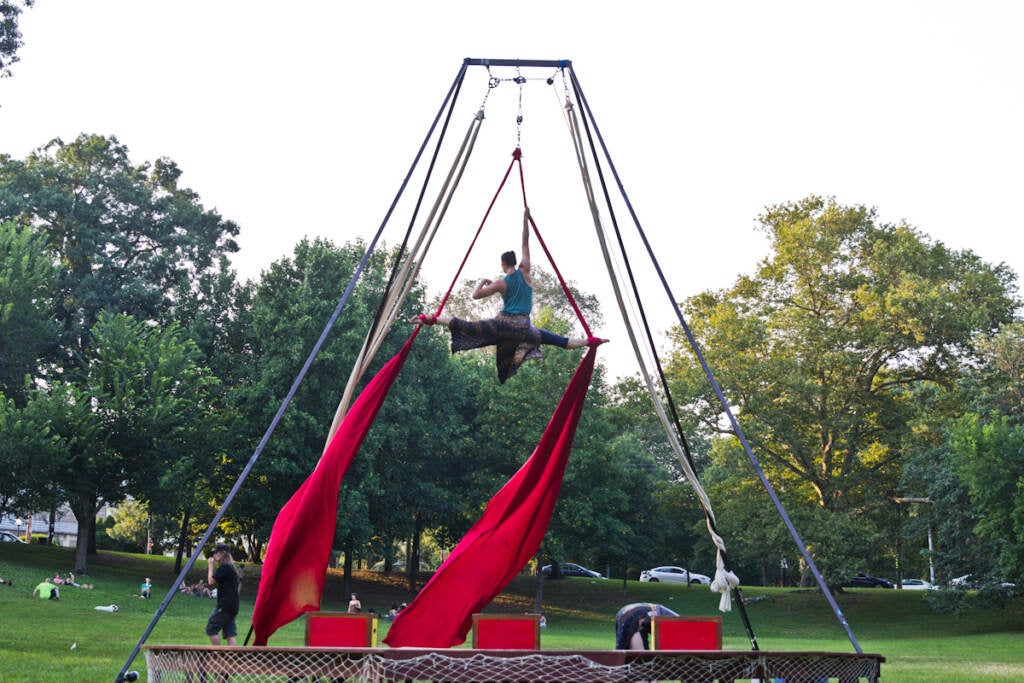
71,641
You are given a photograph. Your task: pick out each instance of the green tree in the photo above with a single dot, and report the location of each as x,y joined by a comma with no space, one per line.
10,35
998,383
990,455
290,305
215,310
27,329
30,454
126,237
416,454
663,505
134,527
986,449
127,398
820,349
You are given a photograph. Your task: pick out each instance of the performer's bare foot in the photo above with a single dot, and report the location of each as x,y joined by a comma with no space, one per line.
579,343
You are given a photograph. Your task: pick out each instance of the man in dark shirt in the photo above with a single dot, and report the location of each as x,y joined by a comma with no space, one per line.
226,581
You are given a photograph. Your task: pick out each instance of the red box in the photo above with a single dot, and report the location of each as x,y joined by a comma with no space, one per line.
340,629
506,631
687,633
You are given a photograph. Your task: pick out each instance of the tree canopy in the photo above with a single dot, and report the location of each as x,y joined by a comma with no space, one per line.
866,363
10,34
820,351
87,238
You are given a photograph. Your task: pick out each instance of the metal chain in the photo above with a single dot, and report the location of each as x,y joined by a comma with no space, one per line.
492,83
520,81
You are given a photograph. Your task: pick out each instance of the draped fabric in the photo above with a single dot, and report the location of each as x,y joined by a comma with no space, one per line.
299,548
502,541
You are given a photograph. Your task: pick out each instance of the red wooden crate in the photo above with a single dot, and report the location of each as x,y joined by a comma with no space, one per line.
687,633
506,631
341,629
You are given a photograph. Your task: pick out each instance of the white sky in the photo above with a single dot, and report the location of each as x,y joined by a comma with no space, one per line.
301,118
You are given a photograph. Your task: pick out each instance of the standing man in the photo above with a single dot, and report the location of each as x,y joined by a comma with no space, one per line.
226,581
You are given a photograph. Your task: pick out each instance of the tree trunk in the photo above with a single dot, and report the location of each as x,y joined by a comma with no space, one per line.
539,599
53,523
91,548
85,513
253,548
346,585
413,556
182,540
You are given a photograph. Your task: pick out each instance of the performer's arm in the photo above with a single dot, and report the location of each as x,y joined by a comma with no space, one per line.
487,287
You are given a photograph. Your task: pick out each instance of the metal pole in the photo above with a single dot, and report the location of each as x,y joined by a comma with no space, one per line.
552,63
931,557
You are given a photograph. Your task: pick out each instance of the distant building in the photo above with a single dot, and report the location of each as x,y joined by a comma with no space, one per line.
65,524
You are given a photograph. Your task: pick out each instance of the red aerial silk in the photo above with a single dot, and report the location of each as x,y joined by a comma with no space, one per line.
300,543
502,541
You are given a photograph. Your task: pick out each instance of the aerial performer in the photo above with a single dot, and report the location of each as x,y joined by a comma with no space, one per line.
511,332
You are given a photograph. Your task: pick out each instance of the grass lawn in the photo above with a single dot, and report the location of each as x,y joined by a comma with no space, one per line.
70,640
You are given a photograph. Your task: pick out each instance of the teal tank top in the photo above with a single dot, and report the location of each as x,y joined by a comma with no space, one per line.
518,295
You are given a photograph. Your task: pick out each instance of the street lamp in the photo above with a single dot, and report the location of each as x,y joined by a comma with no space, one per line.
19,521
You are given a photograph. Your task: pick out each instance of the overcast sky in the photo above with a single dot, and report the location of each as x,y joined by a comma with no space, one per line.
301,118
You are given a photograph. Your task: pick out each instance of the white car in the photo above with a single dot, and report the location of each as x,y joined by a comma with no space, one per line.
971,581
917,585
673,575
8,537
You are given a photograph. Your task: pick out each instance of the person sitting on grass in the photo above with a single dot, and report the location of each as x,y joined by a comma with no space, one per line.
72,582
47,590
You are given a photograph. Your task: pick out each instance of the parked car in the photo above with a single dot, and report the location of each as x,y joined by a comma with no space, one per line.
972,581
8,537
572,569
917,585
673,575
866,581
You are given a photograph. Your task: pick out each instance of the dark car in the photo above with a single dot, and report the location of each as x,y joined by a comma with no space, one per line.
571,569
865,581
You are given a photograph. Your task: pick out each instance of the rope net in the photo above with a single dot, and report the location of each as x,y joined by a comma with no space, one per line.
169,664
